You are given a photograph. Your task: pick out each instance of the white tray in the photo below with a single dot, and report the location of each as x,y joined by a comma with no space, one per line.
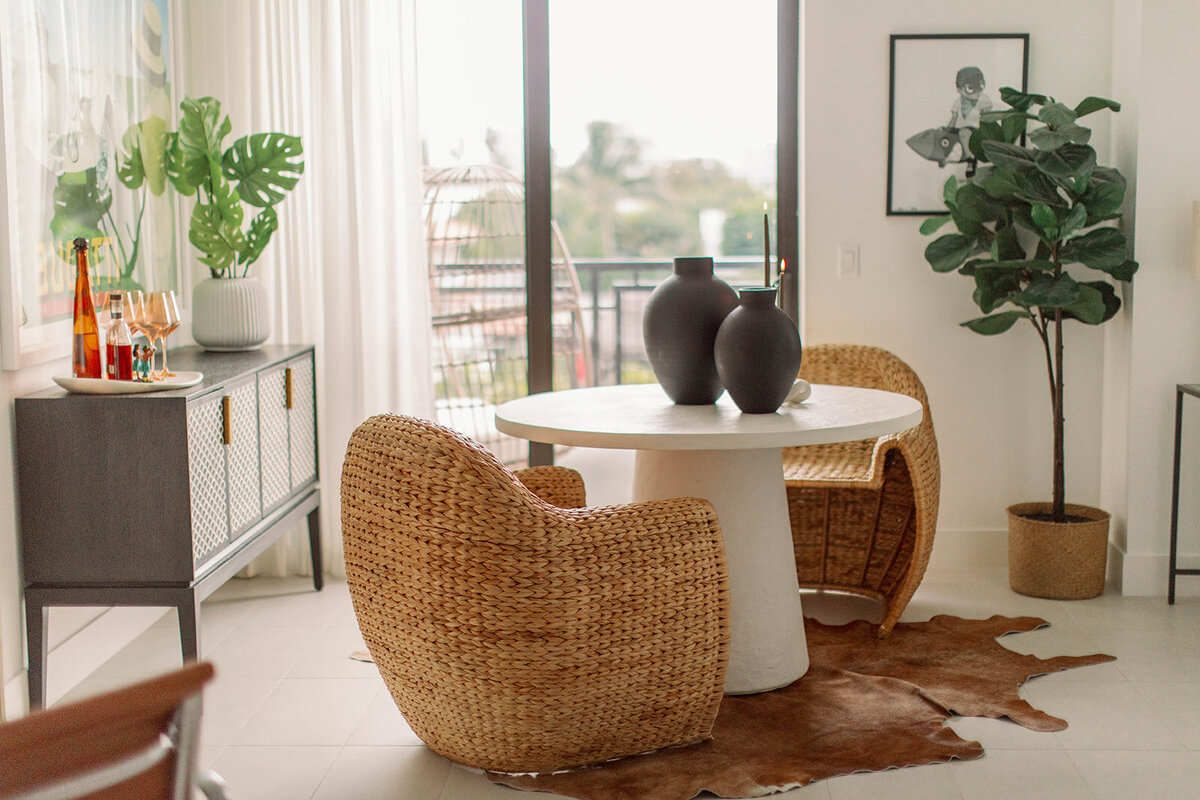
181,380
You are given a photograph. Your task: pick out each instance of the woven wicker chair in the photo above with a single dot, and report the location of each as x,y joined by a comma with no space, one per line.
519,636
863,513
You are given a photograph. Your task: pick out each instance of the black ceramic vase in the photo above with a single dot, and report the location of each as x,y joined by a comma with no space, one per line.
680,327
757,353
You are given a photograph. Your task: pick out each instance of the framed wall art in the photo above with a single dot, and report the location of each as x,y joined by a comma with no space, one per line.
85,101
940,84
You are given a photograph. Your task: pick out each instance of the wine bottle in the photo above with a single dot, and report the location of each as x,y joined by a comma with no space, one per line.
85,359
118,341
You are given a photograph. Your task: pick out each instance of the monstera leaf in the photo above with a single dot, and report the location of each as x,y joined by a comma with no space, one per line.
261,228
218,241
195,150
79,205
266,167
144,159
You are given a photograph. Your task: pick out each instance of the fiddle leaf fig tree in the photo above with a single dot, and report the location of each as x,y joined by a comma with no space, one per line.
1027,214
257,170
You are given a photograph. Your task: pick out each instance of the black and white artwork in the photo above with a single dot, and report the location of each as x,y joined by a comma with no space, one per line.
941,84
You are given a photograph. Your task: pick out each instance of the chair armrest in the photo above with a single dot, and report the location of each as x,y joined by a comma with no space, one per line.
558,486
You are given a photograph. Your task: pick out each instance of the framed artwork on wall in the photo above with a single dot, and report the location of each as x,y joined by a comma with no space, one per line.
85,101
940,84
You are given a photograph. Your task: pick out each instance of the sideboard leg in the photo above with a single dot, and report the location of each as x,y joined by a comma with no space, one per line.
314,545
188,609
37,619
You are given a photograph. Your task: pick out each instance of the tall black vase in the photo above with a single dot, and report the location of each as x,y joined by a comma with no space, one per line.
758,353
680,327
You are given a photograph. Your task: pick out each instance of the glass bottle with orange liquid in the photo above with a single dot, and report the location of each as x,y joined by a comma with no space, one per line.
85,356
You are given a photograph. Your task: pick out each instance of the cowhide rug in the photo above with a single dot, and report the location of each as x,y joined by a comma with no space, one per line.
866,704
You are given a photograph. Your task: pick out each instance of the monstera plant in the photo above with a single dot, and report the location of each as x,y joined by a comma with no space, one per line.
1033,228
256,171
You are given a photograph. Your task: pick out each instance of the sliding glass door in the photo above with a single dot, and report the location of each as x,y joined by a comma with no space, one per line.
574,149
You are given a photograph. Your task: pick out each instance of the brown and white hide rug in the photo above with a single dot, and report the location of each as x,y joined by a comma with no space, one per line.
866,704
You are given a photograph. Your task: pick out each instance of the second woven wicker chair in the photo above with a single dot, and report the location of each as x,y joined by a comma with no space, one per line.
864,513
516,635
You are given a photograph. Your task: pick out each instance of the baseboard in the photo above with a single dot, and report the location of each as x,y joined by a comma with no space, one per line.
1145,574
82,654
966,548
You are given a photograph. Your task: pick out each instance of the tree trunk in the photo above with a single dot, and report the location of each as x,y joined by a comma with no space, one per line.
1060,491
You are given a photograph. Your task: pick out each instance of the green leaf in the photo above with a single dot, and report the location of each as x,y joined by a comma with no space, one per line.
79,205
1074,221
1094,305
219,242
1076,133
995,285
1036,187
1005,246
1102,248
1056,115
144,158
1091,104
947,252
266,167
1009,156
1048,139
197,145
1046,220
934,223
1105,193
1033,264
261,228
973,208
950,190
1048,291
1021,100
996,323
1013,126
1069,160
986,132
1000,184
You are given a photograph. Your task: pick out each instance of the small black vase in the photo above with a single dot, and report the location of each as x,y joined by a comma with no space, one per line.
758,353
680,327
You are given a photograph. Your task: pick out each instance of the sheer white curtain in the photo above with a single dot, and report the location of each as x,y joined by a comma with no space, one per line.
346,270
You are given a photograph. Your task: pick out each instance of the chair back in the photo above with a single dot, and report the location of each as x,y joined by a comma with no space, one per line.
876,368
135,743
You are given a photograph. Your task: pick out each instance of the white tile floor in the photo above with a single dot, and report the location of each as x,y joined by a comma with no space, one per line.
291,716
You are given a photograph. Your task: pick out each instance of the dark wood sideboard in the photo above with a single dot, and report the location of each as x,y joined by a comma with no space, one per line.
157,499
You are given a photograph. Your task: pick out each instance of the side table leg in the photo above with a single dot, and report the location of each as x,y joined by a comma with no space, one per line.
37,619
314,546
188,609
1175,497
767,647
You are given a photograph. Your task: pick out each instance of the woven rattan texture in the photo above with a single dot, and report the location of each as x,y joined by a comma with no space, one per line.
1058,561
864,513
518,636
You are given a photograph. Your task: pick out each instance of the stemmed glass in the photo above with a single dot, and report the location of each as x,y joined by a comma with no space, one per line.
162,316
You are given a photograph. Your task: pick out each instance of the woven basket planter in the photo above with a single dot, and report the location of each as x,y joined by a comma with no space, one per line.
1057,560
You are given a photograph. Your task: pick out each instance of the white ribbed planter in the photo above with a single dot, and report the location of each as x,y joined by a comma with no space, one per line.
230,314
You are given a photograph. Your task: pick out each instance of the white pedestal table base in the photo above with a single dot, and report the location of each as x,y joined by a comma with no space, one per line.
767,645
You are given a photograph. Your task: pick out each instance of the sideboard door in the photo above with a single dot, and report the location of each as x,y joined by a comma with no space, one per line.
245,488
302,421
273,436
206,455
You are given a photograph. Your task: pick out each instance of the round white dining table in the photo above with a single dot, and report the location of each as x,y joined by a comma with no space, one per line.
734,461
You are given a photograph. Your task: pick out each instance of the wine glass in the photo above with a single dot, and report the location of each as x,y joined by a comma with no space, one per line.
162,314
135,310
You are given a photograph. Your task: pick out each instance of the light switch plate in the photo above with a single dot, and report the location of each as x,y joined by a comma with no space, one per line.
848,261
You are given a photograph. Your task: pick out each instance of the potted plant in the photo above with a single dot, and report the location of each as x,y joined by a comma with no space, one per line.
229,309
1026,214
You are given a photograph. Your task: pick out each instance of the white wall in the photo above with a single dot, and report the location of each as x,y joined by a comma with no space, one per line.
1165,345
989,395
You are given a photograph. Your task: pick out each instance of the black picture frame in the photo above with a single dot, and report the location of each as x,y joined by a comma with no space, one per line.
928,75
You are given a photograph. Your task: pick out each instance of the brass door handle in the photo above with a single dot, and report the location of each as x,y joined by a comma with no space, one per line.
227,419
287,387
